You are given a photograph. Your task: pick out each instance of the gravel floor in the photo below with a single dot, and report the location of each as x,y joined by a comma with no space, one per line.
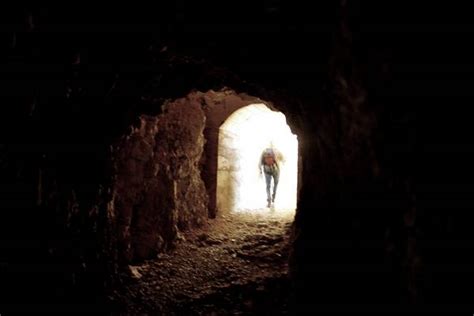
235,265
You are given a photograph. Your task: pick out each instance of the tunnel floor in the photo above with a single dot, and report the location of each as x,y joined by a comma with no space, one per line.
237,264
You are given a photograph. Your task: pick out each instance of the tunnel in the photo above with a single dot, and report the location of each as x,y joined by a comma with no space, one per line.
131,138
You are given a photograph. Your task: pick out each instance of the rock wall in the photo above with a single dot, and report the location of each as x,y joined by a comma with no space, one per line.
352,204
228,171
158,187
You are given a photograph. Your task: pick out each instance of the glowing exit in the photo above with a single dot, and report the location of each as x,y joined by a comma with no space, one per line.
242,139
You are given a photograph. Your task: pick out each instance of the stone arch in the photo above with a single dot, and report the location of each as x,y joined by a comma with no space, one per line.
218,106
242,137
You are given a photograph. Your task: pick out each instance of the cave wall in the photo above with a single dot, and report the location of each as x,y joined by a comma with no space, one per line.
376,221
343,250
158,189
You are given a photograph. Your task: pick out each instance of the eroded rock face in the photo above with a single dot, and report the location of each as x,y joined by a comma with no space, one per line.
180,144
159,189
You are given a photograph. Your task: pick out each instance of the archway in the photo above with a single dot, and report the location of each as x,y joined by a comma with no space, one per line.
242,137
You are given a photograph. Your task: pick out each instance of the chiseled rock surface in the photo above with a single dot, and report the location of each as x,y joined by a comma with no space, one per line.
158,187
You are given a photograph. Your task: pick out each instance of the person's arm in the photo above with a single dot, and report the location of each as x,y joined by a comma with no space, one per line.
279,158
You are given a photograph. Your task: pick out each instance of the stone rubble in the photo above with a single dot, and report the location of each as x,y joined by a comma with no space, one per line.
217,269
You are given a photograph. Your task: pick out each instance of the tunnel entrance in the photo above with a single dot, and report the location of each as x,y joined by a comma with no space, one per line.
242,138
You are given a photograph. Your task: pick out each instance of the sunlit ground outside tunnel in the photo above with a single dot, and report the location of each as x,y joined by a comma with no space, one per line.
242,138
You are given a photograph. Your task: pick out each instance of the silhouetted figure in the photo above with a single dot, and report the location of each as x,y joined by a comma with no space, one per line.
269,165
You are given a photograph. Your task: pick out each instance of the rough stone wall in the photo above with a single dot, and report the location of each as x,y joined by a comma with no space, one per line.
158,188
228,171
135,169
180,143
352,243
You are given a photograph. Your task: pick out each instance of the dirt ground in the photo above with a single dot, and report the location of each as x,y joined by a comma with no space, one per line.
237,264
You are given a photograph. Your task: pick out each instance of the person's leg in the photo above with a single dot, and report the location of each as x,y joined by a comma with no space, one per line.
276,178
268,179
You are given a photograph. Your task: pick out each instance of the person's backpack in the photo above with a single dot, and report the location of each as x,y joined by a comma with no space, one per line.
269,159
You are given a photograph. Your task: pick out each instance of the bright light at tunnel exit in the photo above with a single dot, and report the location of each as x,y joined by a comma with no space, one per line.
242,138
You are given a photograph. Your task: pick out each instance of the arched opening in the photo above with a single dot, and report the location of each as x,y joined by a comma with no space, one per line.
241,187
